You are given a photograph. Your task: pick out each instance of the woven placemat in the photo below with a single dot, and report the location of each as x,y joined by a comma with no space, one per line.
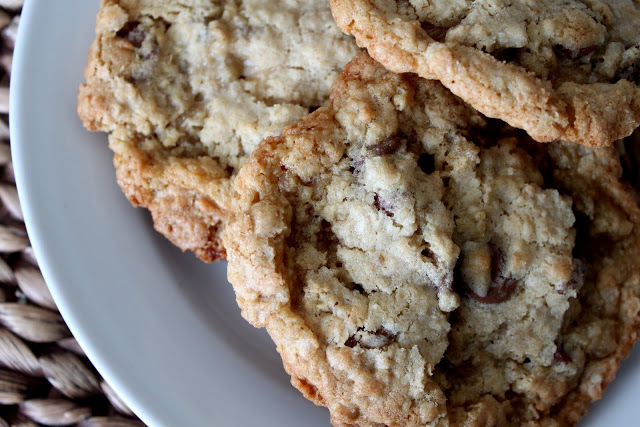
45,378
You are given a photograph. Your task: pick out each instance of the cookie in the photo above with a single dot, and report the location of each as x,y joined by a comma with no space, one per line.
419,264
186,89
558,69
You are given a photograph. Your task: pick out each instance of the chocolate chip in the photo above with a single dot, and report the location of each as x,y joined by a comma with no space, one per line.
379,338
387,146
446,282
429,254
497,293
351,341
501,287
132,33
497,261
383,205
560,356
153,53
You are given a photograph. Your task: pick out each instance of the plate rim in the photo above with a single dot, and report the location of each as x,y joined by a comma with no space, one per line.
49,271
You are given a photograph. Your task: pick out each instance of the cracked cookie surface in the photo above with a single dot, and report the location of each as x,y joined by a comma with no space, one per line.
419,264
566,70
186,89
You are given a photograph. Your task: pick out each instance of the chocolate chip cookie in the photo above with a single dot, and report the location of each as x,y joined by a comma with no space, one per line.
558,69
186,89
419,264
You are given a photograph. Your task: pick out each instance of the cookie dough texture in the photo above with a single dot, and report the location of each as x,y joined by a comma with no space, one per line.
186,89
559,69
418,264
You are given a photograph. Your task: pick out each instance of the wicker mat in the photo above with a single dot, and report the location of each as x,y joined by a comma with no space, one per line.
45,378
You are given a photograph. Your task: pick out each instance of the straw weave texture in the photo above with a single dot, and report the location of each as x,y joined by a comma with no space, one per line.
45,378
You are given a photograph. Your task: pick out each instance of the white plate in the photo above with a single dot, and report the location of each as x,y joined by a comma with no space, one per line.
160,326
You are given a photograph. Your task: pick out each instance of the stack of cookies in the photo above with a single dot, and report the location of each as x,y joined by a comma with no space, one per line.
438,230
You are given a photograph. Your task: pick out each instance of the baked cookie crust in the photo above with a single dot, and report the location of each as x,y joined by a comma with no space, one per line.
561,70
418,264
186,89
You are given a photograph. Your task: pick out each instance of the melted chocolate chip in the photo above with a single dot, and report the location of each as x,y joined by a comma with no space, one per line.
155,50
560,356
497,293
446,282
351,341
427,163
383,337
429,254
497,261
383,205
132,33
387,146
501,287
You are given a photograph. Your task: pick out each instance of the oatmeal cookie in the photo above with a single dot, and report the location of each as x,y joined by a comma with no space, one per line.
558,69
186,89
418,264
